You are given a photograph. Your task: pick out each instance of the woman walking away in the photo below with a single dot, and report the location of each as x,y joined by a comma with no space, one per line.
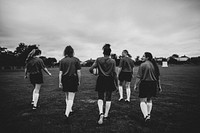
147,80
105,81
69,77
34,66
125,75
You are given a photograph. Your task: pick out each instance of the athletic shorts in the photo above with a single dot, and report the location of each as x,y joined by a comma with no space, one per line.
105,83
36,78
148,89
70,83
125,76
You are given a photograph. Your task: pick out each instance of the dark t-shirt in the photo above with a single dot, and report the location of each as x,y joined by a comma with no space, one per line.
126,64
146,72
35,65
69,66
106,66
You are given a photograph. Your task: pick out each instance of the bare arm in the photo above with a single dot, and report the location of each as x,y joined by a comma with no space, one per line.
93,66
137,82
60,79
25,76
159,86
79,76
119,70
46,70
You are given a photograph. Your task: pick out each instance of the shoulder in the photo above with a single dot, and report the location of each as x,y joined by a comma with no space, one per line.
76,59
144,64
62,59
112,60
38,59
99,59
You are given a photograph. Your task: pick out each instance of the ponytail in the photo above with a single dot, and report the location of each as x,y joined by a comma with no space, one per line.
150,57
30,56
157,72
127,53
33,53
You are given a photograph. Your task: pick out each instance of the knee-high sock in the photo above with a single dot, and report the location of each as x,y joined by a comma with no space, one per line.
66,100
143,107
128,93
69,107
35,98
120,92
108,105
100,105
149,107
33,95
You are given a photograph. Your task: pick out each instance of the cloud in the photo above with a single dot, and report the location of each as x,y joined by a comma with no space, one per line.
162,27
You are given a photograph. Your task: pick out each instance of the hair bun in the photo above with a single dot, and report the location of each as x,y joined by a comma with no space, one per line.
106,46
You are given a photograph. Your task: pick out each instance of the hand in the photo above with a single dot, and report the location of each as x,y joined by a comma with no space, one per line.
60,85
50,74
159,89
25,77
135,88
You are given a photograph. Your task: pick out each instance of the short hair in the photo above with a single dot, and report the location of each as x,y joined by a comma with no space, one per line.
106,49
69,51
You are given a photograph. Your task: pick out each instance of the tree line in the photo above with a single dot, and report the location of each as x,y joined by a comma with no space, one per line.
18,56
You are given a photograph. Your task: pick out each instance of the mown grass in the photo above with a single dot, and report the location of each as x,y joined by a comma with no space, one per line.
176,109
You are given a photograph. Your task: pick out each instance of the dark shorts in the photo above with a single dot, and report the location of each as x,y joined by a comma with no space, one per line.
70,83
147,89
36,78
105,84
125,76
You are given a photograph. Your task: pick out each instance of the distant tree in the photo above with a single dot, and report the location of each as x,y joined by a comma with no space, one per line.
195,60
50,61
22,52
7,58
89,62
175,56
171,60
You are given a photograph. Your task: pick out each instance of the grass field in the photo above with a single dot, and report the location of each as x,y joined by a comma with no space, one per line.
176,109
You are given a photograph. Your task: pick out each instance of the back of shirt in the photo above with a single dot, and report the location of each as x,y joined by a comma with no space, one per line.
126,64
146,72
106,66
69,66
35,65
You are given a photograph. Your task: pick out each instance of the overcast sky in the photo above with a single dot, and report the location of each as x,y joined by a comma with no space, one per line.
163,27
